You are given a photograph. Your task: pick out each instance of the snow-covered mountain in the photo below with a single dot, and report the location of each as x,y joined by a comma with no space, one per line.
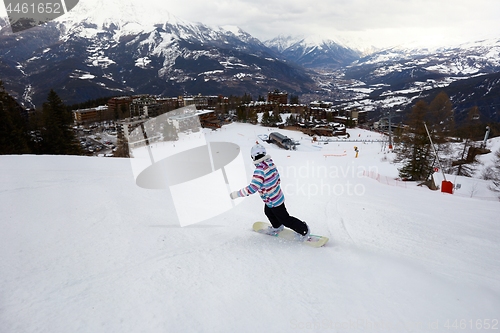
313,51
115,48
95,51
463,59
396,77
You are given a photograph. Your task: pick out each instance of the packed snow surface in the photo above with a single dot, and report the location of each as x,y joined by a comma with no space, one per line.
83,249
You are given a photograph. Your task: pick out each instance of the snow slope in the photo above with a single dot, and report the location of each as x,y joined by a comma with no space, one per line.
83,249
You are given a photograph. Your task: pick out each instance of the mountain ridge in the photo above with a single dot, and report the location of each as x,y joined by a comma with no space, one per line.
313,52
87,56
173,58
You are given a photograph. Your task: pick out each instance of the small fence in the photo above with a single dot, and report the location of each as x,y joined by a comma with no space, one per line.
464,193
339,154
472,195
384,179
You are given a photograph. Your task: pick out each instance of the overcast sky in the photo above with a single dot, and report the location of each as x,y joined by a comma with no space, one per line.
380,23
377,22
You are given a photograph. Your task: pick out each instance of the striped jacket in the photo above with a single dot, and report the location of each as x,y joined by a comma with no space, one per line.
266,181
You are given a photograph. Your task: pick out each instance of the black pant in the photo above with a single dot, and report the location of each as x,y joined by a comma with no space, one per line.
279,216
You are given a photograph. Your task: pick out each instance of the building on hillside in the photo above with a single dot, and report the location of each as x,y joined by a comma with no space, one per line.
321,104
362,117
147,106
259,107
92,115
120,106
126,127
201,102
186,101
317,112
169,103
294,109
352,117
208,119
213,102
277,97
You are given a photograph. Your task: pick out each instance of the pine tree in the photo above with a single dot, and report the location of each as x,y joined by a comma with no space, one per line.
265,121
122,148
440,119
462,167
247,98
275,117
14,137
253,117
413,146
441,125
58,137
241,114
291,120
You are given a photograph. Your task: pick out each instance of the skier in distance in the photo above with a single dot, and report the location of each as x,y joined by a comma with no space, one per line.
266,180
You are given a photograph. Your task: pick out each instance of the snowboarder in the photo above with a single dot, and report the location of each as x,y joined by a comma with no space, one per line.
266,180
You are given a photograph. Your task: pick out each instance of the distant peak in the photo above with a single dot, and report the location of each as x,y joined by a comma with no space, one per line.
232,28
140,14
309,40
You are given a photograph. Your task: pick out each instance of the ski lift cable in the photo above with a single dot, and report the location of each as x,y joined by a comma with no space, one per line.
435,152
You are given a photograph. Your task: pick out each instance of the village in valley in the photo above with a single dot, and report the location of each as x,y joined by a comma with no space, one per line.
103,129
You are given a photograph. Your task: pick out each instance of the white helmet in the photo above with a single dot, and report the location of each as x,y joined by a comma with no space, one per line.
258,151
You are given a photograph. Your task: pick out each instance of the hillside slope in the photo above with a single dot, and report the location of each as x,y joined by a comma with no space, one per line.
83,249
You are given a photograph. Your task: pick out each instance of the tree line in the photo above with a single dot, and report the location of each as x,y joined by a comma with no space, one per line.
49,131
45,131
414,149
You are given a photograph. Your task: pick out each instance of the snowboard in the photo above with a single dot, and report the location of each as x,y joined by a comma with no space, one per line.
313,240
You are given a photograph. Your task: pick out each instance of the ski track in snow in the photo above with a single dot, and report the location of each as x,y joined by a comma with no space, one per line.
83,249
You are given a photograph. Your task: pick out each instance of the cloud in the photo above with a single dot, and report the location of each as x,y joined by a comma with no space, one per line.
376,22
382,22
